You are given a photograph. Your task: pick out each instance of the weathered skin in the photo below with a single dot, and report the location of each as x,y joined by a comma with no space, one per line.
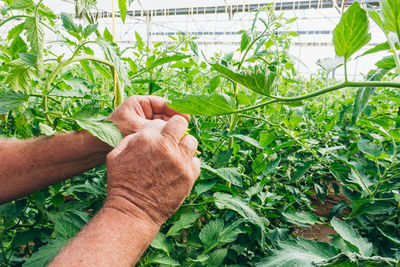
149,175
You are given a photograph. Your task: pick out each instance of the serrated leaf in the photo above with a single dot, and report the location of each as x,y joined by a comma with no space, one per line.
391,15
230,175
378,48
12,100
168,59
349,234
369,148
203,105
209,235
386,63
139,41
212,84
162,243
21,5
46,253
245,41
29,60
69,24
258,79
69,223
104,130
298,252
35,37
111,55
186,220
352,32
216,257
301,218
161,259
89,29
225,201
122,9
301,171
349,259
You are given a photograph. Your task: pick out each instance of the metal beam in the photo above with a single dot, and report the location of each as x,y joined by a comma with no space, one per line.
232,9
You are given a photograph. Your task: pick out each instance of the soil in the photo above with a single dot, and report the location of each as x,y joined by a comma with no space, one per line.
321,232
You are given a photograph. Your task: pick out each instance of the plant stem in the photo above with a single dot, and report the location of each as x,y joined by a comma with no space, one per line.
346,78
321,92
396,57
11,18
53,75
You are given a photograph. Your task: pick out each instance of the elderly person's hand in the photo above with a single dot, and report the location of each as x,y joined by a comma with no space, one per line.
135,111
151,172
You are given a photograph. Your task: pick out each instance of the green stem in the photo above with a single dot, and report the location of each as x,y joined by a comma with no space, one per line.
346,77
53,75
396,57
12,18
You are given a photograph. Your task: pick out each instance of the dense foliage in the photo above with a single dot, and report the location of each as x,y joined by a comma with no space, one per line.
276,148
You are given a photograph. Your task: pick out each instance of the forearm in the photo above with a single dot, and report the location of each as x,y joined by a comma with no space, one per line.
28,166
112,238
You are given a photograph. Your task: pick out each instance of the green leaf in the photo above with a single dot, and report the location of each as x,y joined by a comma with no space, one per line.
378,48
257,78
122,9
391,15
11,101
301,171
387,63
209,235
351,34
225,201
46,253
168,59
244,43
35,37
162,243
212,84
247,139
139,42
69,223
349,259
21,5
369,148
105,131
29,60
216,257
89,29
301,218
69,24
298,252
111,54
203,105
107,35
349,234
186,221
163,259
230,175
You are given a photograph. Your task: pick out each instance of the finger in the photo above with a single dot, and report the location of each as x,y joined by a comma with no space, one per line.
161,117
188,145
120,147
196,164
156,124
175,128
159,107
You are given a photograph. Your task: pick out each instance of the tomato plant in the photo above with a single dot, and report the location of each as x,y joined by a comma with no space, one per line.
283,157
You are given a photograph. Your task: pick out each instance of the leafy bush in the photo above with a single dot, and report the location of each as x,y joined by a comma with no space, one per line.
275,147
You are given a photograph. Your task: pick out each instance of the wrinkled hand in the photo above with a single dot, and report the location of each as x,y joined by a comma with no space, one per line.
131,115
150,173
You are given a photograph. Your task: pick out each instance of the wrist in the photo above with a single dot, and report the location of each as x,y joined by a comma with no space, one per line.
127,208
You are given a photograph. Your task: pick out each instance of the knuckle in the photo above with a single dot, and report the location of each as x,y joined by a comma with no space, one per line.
180,120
